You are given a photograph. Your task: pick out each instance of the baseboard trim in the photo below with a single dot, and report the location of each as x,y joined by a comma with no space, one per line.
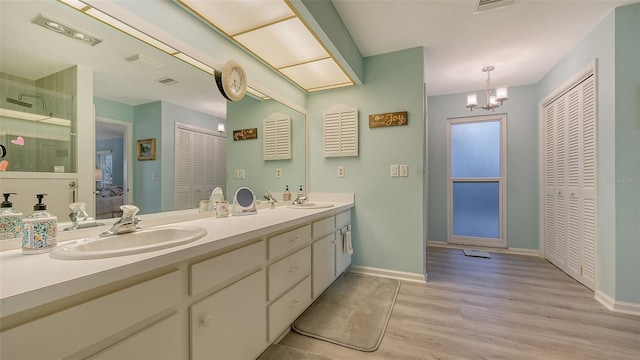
617,306
513,251
392,274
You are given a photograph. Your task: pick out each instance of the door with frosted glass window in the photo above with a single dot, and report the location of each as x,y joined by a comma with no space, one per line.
477,180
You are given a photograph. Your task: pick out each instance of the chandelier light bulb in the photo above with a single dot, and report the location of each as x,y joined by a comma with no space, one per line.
472,100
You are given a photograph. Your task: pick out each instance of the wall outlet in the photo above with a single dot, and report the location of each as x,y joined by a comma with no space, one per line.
394,170
278,173
340,171
404,170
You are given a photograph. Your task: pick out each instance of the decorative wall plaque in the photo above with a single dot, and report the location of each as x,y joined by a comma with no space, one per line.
388,119
245,134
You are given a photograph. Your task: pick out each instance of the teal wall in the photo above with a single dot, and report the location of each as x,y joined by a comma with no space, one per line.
598,44
522,162
113,110
260,175
147,191
627,135
388,218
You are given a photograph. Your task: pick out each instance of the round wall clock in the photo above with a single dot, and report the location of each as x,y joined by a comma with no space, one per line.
232,81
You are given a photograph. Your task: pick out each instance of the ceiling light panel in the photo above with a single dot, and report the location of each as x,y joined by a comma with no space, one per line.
283,44
317,75
234,17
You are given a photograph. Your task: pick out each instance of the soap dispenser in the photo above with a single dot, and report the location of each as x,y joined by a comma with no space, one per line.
41,229
286,196
300,192
11,226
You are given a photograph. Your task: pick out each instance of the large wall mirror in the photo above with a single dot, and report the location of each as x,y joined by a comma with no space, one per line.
139,93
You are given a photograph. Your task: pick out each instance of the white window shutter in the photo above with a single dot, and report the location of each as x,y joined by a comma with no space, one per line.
341,131
276,137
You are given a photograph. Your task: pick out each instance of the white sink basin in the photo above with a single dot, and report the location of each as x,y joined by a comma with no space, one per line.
311,205
126,244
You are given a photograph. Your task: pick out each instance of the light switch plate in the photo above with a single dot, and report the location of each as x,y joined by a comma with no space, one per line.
241,173
340,171
278,173
404,170
394,170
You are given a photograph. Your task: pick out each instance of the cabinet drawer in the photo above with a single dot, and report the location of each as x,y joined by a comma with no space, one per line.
287,272
212,272
162,340
343,219
290,240
104,317
288,307
323,227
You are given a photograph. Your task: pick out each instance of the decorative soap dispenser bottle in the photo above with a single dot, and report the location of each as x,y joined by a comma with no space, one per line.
300,192
286,196
41,229
11,226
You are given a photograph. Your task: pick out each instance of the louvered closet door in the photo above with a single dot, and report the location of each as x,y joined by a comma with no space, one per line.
200,167
549,182
570,182
574,196
561,150
589,182
198,183
183,170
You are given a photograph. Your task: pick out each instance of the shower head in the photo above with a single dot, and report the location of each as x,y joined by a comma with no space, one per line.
18,102
41,98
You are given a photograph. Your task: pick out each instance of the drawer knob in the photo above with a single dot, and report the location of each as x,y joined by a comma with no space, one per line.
294,304
206,321
295,239
294,268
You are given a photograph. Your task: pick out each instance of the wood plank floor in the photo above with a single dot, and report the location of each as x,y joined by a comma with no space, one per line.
506,307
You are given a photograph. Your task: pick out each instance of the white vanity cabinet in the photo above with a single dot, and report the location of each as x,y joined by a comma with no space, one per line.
72,330
329,260
228,302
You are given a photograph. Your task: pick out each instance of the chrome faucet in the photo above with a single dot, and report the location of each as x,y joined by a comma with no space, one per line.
79,217
300,200
127,222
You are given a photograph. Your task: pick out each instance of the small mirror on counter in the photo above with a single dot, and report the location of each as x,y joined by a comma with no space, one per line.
244,202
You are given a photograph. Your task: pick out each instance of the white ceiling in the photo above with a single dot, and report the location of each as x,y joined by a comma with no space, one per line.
523,41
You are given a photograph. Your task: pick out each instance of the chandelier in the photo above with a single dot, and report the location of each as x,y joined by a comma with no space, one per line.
493,101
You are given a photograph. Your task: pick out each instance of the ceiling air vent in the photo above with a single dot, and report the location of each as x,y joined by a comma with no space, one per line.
141,60
484,5
167,81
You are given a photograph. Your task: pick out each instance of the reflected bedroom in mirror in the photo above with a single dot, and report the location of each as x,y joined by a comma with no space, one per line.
80,148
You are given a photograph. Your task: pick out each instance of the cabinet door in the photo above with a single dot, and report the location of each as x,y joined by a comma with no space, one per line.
162,340
324,263
343,259
232,323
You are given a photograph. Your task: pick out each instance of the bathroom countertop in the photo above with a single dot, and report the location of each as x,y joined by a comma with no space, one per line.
27,281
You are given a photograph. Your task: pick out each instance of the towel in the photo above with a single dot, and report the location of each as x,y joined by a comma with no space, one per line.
347,248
